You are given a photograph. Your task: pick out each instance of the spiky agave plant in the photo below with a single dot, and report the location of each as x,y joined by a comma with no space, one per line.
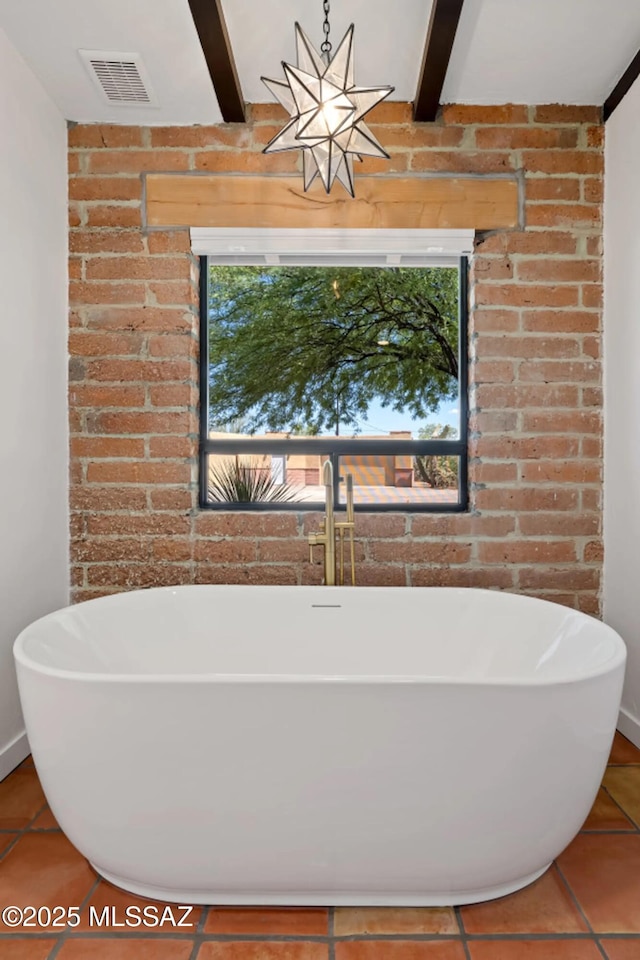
234,482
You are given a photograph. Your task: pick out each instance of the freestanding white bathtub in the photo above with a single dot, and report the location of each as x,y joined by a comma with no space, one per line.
315,745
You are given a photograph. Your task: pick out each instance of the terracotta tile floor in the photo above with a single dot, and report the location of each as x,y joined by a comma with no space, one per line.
586,907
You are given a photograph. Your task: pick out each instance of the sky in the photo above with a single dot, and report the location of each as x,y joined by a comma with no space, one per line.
382,420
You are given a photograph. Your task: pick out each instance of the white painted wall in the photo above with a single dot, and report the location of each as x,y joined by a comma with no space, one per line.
34,568
622,393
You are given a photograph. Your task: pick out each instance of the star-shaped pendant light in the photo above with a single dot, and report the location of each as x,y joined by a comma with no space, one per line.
327,111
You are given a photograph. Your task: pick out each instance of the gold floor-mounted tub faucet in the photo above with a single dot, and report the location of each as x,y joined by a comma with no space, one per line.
330,528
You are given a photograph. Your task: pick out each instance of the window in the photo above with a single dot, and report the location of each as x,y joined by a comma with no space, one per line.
360,360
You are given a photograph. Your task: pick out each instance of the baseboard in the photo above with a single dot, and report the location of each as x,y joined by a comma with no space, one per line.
629,726
13,754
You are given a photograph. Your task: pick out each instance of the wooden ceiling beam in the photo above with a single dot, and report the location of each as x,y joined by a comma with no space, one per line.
622,87
441,32
216,46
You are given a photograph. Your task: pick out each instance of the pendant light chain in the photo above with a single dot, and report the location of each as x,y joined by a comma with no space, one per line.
325,47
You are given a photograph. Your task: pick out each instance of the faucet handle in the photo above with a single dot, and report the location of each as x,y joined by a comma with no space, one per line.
349,498
314,539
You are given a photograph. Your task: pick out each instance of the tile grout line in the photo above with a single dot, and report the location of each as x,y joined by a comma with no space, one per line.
462,932
203,919
132,934
636,827
30,829
55,949
629,832
26,829
541,937
578,906
64,936
199,931
331,933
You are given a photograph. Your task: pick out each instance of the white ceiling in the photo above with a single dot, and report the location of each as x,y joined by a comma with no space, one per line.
522,51
541,51
389,39
49,33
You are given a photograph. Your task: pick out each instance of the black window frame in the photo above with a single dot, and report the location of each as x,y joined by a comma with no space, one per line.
340,446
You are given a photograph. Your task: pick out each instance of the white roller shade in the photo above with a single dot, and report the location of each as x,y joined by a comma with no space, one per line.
332,247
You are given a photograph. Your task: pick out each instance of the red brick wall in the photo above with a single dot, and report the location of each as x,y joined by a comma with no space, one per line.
535,348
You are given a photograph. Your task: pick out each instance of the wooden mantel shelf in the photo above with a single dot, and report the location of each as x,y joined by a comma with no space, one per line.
429,202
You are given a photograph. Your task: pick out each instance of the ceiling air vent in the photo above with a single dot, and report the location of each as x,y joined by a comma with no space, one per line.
120,77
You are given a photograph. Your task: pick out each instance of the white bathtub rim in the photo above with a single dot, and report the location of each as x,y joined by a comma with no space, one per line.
157,679
611,664
322,898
